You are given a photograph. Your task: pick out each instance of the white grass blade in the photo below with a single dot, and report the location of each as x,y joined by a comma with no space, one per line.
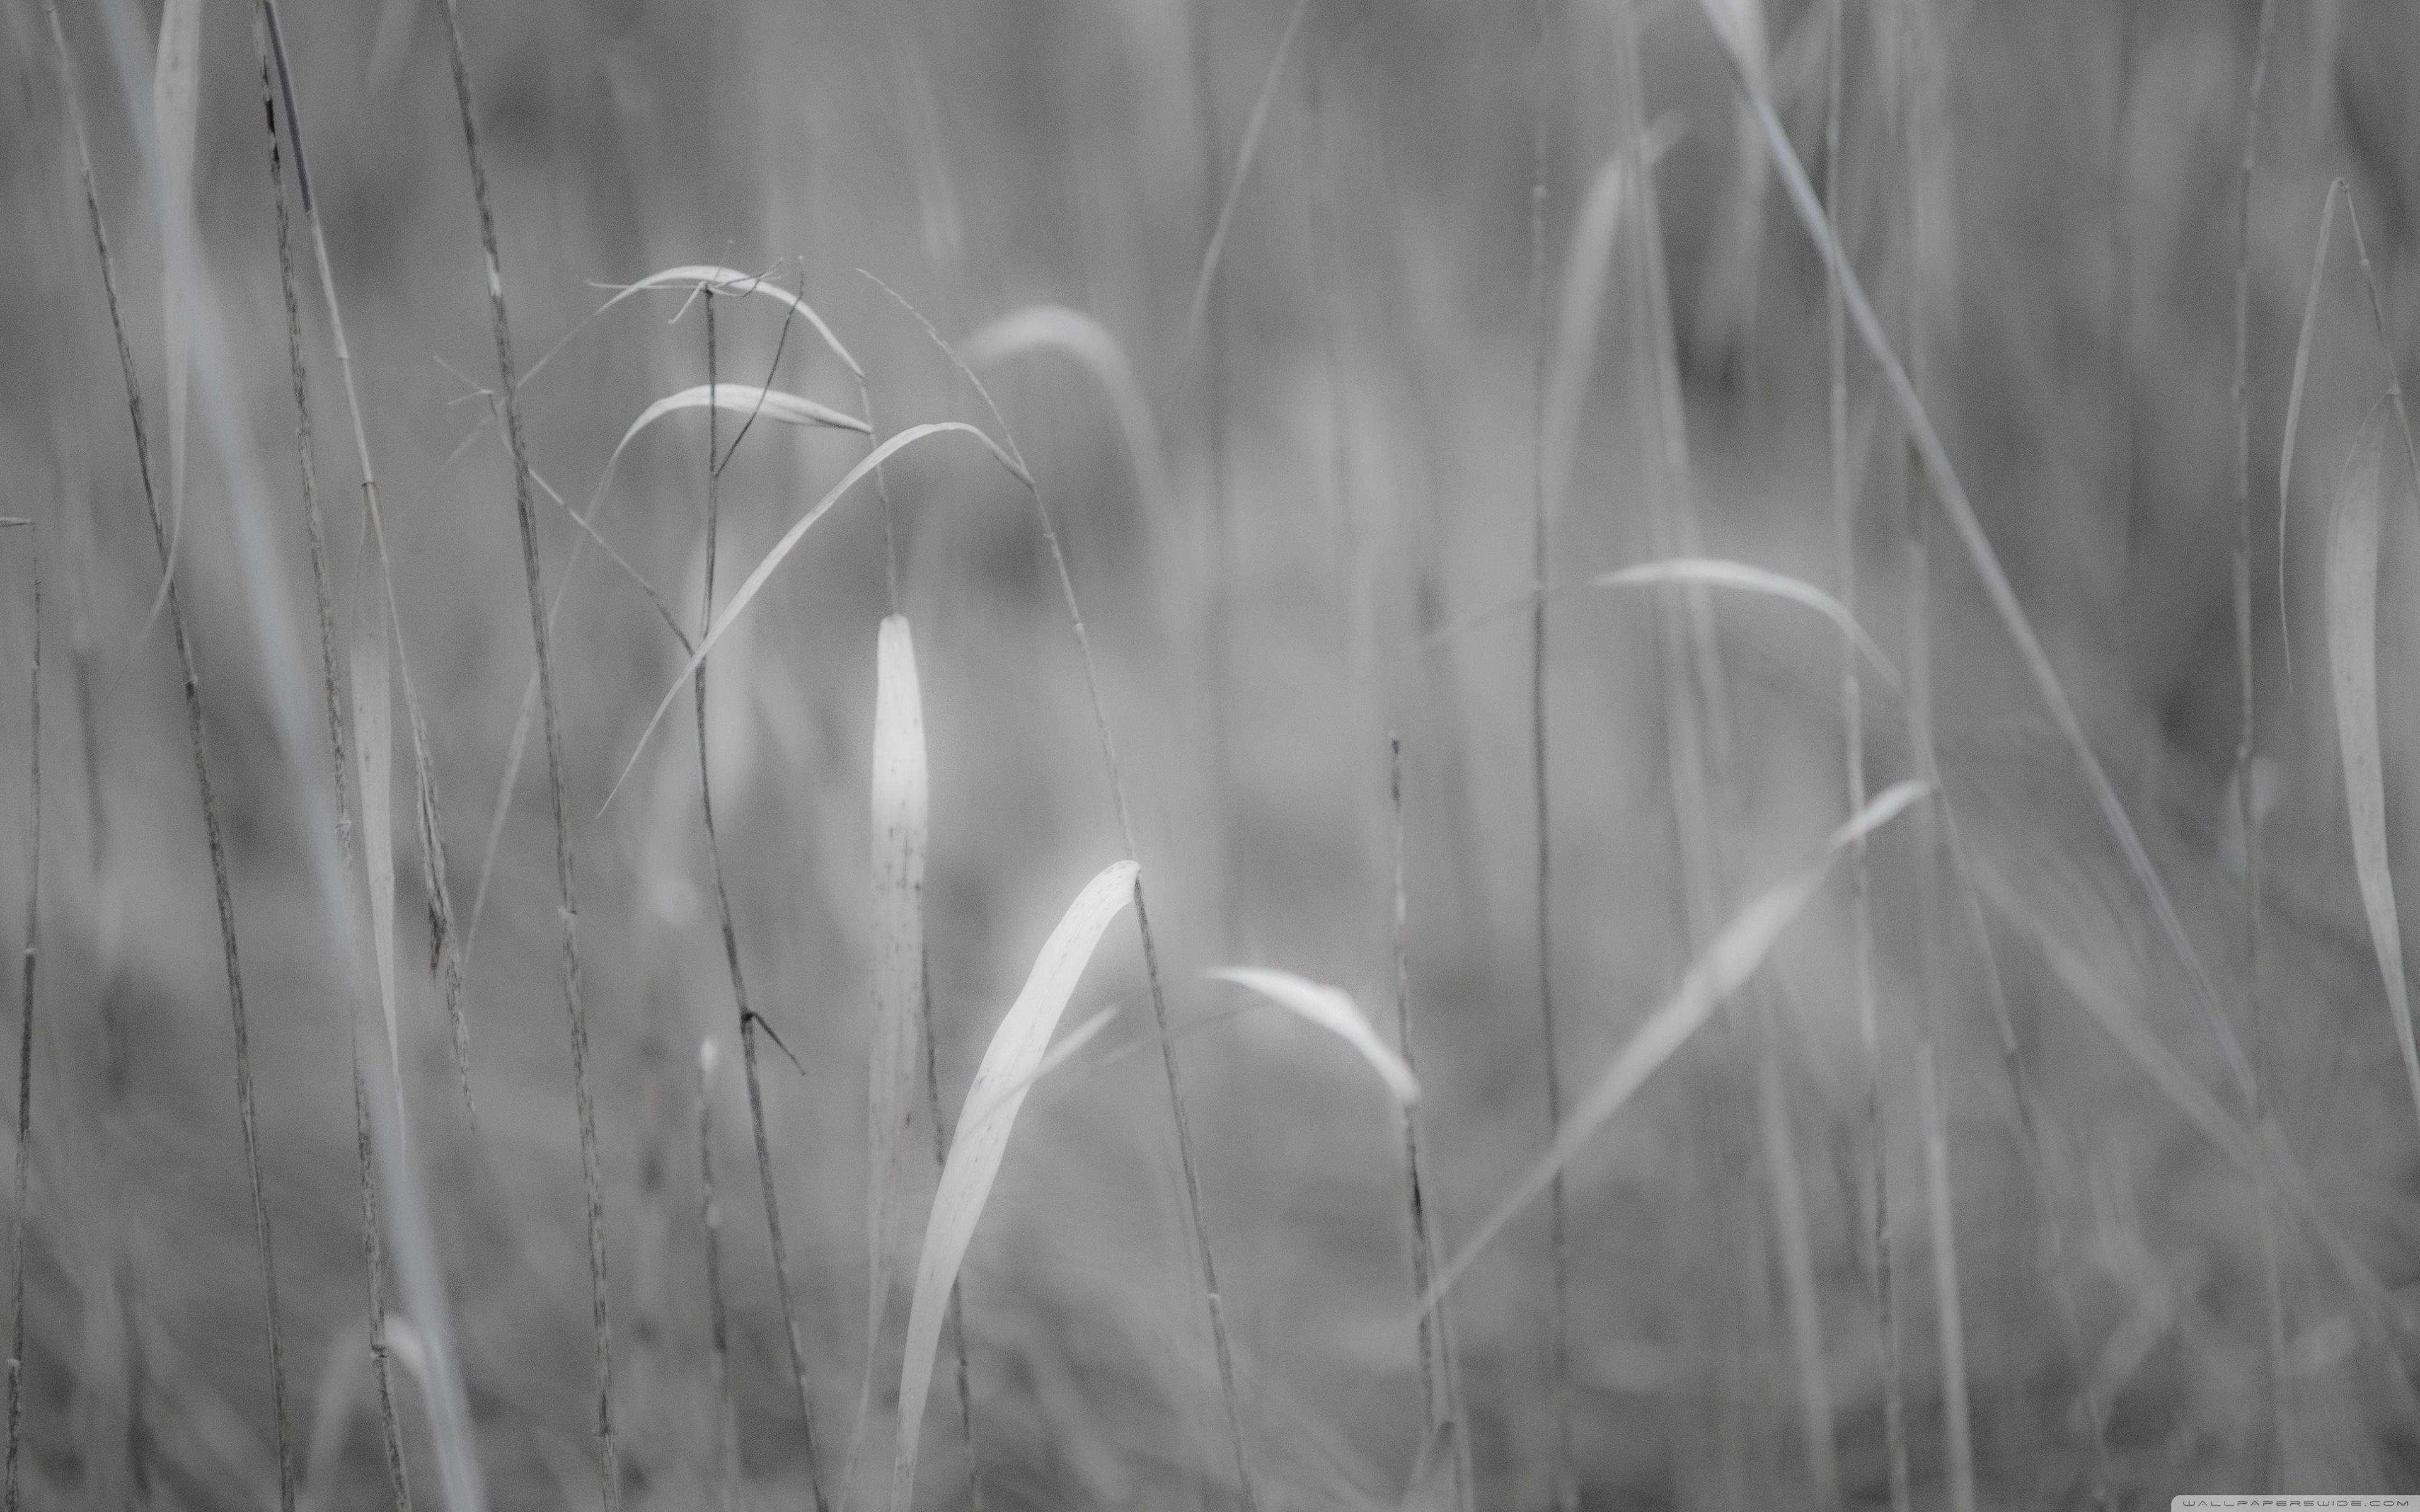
1726,965
2337,191
738,398
1331,1009
1070,1045
1016,1048
374,780
1739,577
2352,668
175,108
780,551
731,283
1055,328
901,815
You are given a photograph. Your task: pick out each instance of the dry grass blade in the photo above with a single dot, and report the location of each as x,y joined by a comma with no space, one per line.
1580,302
2352,666
738,398
902,812
374,772
1739,577
1055,328
1725,964
2337,191
1951,495
176,234
705,278
567,891
19,1187
1331,1009
175,107
1016,1048
780,551
1253,125
1712,572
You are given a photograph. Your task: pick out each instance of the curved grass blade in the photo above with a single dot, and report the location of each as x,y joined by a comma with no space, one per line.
1723,968
1331,1009
2352,667
1715,572
697,278
1056,328
780,551
1016,1048
1739,577
738,398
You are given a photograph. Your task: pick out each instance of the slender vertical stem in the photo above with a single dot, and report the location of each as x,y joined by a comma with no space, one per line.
1440,1389
714,464
747,1025
1218,588
26,1045
1957,1424
726,1432
957,1307
1566,1480
1853,743
221,886
601,1300
2247,810
331,686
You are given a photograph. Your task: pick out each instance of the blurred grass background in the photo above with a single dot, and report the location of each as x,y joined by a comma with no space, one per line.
1367,391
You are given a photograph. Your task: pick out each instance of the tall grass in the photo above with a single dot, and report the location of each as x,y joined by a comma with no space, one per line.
1328,396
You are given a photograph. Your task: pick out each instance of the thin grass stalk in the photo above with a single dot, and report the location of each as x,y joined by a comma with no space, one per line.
275,644
373,1266
600,1301
1853,739
715,462
373,1242
957,1299
1216,593
212,830
748,1026
1441,1403
26,1043
1212,1304
2272,1286
2121,264
1958,1429
726,1430
1566,1480
1361,633
1706,775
